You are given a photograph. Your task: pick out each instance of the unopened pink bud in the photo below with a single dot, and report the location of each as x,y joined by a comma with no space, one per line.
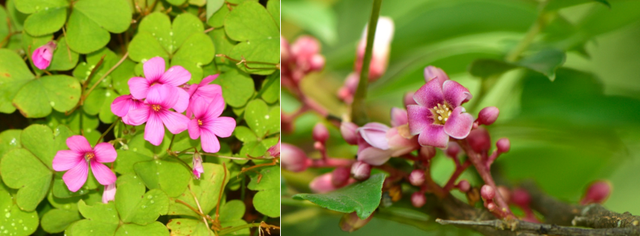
479,140
427,152
464,186
360,170
408,99
351,222
487,192
503,145
520,197
418,199
109,193
318,146
453,149
322,183
42,56
316,62
197,165
274,151
416,178
488,115
305,46
597,192
320,133
293,158
432,72
381,48
285,53
491,206
349,132
340,176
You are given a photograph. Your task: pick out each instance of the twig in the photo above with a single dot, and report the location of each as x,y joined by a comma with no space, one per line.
517,226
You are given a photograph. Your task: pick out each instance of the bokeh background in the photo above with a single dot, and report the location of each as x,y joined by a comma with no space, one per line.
564,134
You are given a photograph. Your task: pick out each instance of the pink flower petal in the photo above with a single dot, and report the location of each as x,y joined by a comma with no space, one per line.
419,117
375,136
105,153
197,166
158,94
39,59
192,89
209,79
103,174
176,76
76,176
198,107
79,144
174,121
459,124
222,126
209,141
120,105
137,116
154,131
432,72
208,91
374,156
194,129
398,117
154,68
430,94
109,193
434,135
454,93
216,107
183,100
139,87
66,159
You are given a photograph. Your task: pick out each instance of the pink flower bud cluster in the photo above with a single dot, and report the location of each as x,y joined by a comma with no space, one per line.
597,192
522,199
300,59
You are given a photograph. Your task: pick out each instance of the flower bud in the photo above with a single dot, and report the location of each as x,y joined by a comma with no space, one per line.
360,170
349,132
109,193
427,152
432,72
503,145
381,47
42,56
197,165
320,133
491,206
487,192
408,99
398,117
351,222
293,158
464,186
521,198
488,115
416,178
479,140
316,62
597,192
322,184
453,149
305,47
285,54
418,199
274,151
340,176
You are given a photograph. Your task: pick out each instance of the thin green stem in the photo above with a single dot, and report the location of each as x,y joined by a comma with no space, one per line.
358,110
104,76
535,29
107,131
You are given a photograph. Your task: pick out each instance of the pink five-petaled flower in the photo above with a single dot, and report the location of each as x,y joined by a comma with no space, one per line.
123,104
78,159
41,57
203,90
207,123
156,113
438,114
155,75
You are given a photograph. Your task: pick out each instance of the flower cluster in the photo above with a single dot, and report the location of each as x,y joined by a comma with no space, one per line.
299,59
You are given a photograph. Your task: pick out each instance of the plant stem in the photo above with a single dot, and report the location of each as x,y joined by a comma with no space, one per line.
234,229
107,131
358,110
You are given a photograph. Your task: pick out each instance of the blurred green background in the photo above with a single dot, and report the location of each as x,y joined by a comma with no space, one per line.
564,134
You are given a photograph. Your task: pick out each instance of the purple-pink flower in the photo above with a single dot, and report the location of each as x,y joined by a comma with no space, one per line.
155,112
41,57
198,169
123,104
438,114
378,143
109,193
207,123
154,72
203,90
77,161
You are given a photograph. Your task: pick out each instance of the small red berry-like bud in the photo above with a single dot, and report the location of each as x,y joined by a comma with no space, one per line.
487,192
320,133
418,199
340,176
318,146
488,115
491,207
293,158
360,170
316,62
521,198
479,140
503,145
285,55
453,149
427,152
597,192
416,178
351,222
349,133
464,186
408,99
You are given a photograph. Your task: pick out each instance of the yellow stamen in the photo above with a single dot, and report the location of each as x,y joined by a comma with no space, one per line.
199,122
155,107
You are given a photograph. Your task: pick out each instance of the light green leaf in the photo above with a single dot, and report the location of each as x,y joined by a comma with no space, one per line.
267,200
15,220
273,6
545,62
63,59
153,229
261,55
36,98
23,171
250,20
14,74
270,91
57,220
213,6
101,219
237,87
485,68
261,119
136,206
206,190
91,21
9,140
169,176
232,210
46,21
363,197
188,227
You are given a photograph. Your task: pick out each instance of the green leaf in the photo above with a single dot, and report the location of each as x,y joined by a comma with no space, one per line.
136,206
559,4
169,176
101,219
4,28
363,197
261,55
176,2
206,190
262,120
217,19
36,98
232,210
14,74
250,20
237,87
13,219
315,17
273,6
545,61
267,200
23,171
197,51
244,134
213,6
91,21
9,140
99,101
271,88
63,59
46,21
485,68
57,220
153,229
187,227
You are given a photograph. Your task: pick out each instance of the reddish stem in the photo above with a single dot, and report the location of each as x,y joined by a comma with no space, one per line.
459,169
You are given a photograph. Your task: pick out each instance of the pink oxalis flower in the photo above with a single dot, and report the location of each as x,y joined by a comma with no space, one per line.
77,161
207,123
154,72
155,112
203,90
438,114
41,57
109,193
198,169
123,104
